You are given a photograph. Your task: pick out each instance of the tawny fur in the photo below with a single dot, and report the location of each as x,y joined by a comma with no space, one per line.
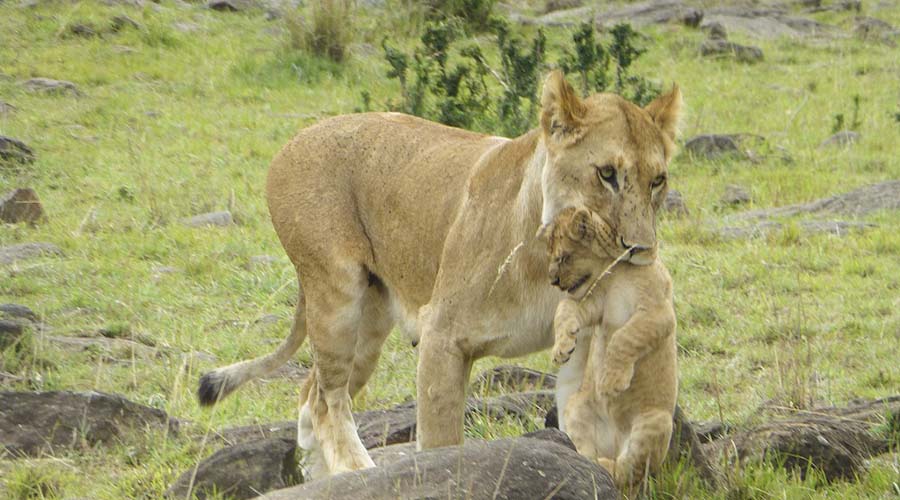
622,413
393,220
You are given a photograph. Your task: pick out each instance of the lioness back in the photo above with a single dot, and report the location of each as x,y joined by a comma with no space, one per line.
378,188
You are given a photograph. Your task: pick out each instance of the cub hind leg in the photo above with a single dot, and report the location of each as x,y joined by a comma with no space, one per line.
644,450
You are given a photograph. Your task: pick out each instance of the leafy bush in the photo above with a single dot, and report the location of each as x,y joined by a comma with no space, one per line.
326,30
452,86
476,14
839,122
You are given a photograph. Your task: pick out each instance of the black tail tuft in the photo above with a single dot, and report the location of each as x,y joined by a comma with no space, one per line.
210,390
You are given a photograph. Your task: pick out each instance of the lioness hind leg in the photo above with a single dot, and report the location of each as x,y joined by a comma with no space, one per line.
375,325
645,448
334,307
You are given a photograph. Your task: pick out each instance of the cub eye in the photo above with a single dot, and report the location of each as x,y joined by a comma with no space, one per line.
659,181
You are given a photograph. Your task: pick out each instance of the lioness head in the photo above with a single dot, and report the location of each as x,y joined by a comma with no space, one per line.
579,244
611,156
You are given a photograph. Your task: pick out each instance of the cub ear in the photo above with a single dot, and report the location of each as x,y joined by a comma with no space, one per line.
665,111
582,225
561,109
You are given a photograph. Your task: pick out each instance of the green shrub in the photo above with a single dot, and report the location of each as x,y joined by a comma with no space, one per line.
452,85
476,14
325,29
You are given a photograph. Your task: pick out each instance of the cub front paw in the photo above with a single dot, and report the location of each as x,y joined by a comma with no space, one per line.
616,380
563,349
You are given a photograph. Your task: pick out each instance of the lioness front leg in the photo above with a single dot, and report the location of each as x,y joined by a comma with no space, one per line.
441,379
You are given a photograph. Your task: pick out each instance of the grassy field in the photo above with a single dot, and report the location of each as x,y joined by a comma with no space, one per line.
182,115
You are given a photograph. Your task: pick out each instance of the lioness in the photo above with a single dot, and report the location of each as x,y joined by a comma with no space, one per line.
393,220
622,414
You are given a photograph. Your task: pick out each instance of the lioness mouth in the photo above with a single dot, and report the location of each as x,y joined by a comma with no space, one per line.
582,280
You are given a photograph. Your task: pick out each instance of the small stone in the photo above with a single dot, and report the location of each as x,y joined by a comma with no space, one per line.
121,22
712,146
843,138
21,205
6,108
555,5
241,471
674,203
267,319
223,5
692,17
211,219
715,47
716,31
83,30
186,27
262,260
10,332
17,311
50,86
23,251
735,195
14,150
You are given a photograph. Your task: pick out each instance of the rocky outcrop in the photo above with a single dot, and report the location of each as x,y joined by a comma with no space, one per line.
539,465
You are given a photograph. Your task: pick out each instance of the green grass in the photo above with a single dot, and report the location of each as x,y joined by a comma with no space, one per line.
176,123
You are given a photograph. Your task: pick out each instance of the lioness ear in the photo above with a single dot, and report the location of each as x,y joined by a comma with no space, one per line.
666,111
561,109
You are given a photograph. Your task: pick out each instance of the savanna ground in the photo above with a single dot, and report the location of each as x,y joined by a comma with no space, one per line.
182,116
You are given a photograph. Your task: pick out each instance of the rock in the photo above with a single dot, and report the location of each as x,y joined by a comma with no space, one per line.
113,349
21,205
14,151
219,219
708,432
652,12
716,31
83,30
10,332
534,466
23,251
48,86
735,195
122,21
241,471
6,109
513,378
32,423
836,446
871,29
554,5
768,22
712,146
674,203
378,428
843,138
224,5
838,6
718,47
16,311
862,201
762,228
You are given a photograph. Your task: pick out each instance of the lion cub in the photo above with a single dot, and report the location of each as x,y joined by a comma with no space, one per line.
622,413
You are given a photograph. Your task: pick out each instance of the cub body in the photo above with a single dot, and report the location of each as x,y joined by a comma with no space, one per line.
622,413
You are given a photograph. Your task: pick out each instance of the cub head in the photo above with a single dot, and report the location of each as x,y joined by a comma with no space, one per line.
578,245
611,156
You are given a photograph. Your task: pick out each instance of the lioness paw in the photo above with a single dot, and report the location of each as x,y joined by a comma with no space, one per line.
616,380
563,349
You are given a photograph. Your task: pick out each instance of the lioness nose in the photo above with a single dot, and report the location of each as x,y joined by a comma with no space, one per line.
554,280
634,248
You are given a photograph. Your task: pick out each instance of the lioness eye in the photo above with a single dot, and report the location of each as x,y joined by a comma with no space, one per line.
608,175
659,181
